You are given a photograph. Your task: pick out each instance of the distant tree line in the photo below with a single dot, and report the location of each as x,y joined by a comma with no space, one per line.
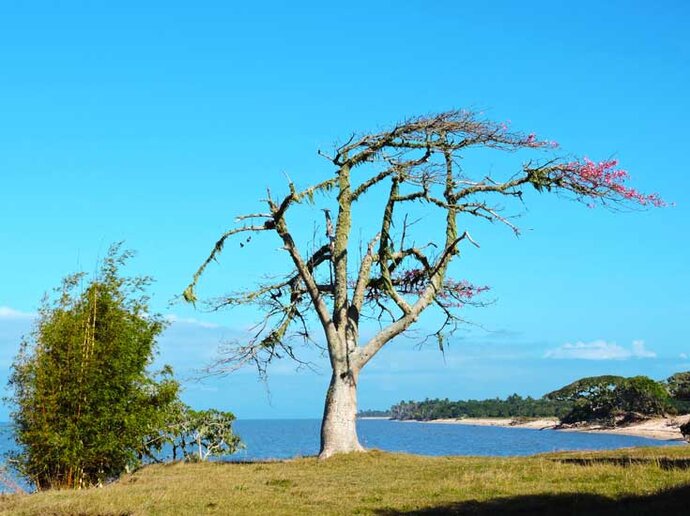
513,406
605,399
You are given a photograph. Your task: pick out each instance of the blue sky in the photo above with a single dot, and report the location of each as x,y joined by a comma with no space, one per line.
157,124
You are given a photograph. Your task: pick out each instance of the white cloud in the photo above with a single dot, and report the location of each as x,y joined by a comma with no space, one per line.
191,321
600,350
10,313
639,351
683,356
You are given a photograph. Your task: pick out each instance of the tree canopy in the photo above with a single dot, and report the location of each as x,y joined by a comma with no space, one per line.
612,399
678,386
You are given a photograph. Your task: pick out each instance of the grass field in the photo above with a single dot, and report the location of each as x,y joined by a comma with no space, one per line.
631,481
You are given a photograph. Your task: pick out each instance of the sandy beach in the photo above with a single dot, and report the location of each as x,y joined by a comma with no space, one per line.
665,429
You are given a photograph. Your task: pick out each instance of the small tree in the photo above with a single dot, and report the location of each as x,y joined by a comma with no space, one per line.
415,165
84,402
593,398
643,396
612,399
193,435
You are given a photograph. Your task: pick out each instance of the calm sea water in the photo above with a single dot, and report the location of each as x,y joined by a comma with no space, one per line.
280,439
286,438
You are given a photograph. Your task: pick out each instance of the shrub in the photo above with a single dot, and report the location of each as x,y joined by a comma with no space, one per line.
84,401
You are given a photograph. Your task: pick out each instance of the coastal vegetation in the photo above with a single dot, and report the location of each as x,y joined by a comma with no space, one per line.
632,481
608,400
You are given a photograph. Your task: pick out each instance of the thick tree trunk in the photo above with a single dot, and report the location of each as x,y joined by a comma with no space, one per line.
338,428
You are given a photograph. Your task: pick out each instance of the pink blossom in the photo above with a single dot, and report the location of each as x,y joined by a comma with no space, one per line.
603,179
452,293
531,141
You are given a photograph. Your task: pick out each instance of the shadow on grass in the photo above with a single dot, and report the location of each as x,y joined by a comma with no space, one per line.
666,503
661,462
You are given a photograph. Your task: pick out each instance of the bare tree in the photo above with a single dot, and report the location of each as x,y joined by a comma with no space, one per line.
418,162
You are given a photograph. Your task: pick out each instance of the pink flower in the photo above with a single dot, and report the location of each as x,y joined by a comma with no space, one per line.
603,180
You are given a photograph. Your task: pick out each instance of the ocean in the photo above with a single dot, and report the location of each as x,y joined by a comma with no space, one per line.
276,438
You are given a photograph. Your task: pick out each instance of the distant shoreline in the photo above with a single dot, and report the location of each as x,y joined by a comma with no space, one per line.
663,429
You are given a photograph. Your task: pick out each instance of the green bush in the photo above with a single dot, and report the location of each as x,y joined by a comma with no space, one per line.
86,408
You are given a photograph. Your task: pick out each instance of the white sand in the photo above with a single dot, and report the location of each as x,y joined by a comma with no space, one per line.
666,429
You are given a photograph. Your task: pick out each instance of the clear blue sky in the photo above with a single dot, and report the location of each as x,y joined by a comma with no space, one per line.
157,122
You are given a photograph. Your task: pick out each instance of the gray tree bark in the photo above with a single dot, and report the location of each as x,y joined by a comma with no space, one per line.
339,425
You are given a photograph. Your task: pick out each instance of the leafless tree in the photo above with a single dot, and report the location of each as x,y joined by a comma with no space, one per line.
418,162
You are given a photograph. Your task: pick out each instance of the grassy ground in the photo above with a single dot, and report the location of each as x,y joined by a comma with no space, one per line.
632,481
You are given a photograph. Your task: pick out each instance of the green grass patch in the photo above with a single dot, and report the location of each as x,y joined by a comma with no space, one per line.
631,481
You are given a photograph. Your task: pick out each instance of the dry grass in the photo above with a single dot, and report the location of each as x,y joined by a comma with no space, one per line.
633,481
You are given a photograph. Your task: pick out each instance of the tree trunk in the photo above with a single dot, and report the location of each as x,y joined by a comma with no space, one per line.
338,428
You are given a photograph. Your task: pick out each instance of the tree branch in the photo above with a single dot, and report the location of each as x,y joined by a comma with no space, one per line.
189,294
303,270
363,276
